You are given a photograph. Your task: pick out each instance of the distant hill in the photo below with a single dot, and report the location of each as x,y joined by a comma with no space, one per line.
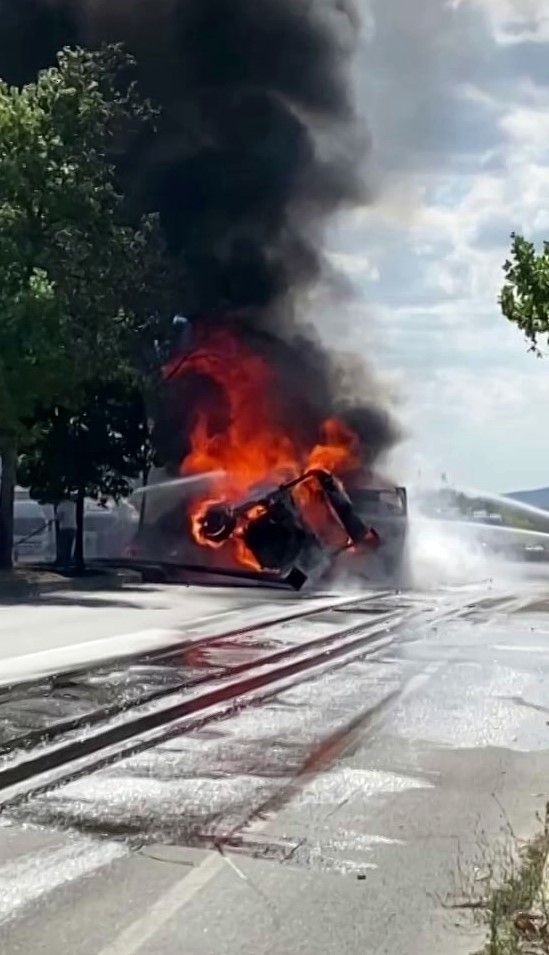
536,498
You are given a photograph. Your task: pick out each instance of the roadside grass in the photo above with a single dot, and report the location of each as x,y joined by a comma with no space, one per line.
506,894
516,914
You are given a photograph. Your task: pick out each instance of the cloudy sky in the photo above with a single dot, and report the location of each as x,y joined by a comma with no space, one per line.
457,94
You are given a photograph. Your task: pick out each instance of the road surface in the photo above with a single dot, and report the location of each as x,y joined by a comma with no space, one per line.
69,629
345,812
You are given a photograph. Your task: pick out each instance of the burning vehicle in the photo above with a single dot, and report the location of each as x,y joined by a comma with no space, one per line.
272,489
306,531
257,146
280,531
385,507
276,533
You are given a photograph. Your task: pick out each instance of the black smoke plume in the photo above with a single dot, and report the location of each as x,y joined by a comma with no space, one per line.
257,147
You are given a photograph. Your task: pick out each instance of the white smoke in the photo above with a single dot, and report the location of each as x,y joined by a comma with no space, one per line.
445,551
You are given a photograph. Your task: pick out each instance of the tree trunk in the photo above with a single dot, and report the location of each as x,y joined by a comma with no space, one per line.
7,497
57,540
79,543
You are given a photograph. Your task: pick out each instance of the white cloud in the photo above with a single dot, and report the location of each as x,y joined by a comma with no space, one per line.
516,21
355,266
460,113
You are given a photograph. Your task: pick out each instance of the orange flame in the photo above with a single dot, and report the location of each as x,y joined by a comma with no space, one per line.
244,432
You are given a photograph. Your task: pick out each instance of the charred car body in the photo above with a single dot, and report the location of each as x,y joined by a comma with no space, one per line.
277,476
304,531
386,508
294,531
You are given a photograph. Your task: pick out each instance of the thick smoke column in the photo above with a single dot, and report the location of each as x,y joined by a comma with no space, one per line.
258,146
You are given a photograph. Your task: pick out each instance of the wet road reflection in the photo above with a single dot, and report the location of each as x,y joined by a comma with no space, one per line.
219,785
206,787
52,705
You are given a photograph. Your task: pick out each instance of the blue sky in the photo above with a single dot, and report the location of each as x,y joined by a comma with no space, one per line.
457,98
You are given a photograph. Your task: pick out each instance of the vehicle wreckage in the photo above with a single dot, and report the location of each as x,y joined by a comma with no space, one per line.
268,483
299,533
276,531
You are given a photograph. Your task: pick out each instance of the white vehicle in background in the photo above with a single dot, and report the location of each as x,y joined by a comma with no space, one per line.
108,529
33,531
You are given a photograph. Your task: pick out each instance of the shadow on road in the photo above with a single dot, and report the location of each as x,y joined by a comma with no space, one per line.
30,596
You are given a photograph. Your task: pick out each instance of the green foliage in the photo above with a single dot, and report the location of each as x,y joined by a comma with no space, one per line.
524,298
80,286
75,280
95,449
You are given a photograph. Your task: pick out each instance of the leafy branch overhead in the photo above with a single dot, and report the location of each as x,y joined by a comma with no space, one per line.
85,286
95,449
77,282
524,298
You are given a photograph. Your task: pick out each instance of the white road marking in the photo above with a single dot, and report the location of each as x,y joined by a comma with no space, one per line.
133,938
136,935
419,680
74,656
521,648
59,659
30,877
139,933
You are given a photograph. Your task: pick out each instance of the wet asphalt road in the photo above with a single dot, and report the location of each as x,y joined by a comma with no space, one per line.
69,629
346,814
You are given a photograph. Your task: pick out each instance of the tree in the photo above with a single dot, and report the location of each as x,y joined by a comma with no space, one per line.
77,283
91,451
524,299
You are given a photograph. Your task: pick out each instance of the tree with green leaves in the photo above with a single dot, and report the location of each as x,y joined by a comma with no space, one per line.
524,299
94,450
78,284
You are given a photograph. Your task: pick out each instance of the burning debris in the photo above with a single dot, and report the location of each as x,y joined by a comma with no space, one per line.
280,532
257,147
277,504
